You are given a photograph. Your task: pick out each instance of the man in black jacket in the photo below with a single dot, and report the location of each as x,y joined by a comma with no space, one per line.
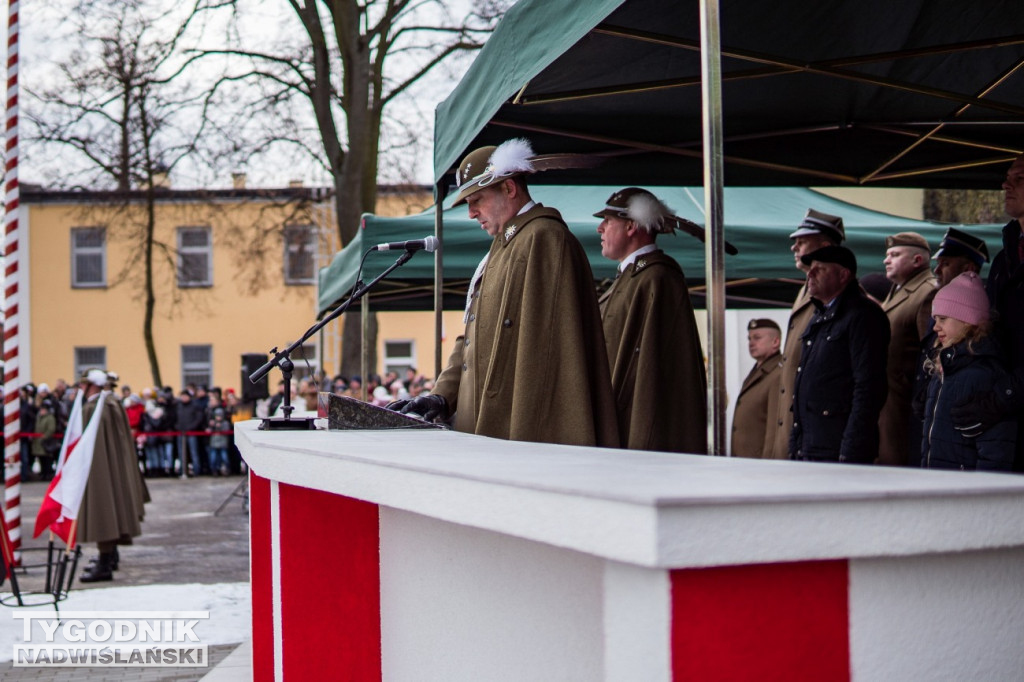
841,380
190,418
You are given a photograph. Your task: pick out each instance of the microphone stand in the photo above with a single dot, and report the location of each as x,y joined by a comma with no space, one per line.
282,359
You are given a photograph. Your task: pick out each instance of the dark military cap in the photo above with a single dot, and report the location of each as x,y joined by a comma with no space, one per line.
833,254
957,243
816,222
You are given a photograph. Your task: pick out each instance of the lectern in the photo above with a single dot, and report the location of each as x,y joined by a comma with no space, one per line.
345,413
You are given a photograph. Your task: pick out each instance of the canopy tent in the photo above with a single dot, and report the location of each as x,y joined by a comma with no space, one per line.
758,221
915,93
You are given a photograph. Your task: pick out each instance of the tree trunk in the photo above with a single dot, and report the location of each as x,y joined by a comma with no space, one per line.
351,351
964,205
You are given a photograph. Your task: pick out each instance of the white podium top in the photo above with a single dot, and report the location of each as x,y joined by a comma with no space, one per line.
650,509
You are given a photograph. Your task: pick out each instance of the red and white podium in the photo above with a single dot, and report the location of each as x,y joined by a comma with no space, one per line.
433,555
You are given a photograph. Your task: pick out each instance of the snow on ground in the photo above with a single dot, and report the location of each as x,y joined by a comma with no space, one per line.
228,603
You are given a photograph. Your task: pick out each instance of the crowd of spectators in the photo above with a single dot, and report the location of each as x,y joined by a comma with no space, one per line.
193,425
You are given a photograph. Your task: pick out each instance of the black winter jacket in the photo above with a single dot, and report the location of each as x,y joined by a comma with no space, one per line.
1006,293
190,416
965,372
841,381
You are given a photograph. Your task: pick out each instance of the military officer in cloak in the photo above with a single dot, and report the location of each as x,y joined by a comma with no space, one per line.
759,394
654,350
530,365
112,509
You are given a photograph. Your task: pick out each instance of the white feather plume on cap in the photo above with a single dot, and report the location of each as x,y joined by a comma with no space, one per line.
651,214
648,212
511,156
484,166
96,377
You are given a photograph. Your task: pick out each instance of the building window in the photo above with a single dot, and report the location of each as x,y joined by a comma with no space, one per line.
196,365
89,357
88,257
300,243
399,355
195,257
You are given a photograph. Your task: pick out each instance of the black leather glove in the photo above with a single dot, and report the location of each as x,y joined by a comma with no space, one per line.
397,405
979,412
429,407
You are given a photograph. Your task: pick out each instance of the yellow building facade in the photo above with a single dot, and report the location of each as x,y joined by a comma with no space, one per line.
234,272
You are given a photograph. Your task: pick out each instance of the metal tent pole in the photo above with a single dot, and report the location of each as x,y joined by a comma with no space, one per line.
439,195
714,246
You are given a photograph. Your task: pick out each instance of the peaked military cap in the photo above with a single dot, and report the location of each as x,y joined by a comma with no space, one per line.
816,222
958,243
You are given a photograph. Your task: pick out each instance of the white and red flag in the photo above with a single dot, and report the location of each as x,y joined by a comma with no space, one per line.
59,509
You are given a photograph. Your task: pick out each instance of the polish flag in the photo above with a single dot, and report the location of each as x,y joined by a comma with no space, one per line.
59,509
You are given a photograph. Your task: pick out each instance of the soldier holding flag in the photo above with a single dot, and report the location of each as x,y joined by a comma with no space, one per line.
98,493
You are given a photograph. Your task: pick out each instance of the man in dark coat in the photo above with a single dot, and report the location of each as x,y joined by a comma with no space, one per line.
816,231
841,384
654,350
1006,293
759,394
531,364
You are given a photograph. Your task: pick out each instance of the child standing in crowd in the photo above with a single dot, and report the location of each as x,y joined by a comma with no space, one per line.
966,363
219,423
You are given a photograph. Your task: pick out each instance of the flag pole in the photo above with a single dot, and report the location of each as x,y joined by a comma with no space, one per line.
12,413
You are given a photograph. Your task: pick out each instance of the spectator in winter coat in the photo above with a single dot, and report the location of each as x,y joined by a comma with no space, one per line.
840,381
966,362
45,446
191,417
219,426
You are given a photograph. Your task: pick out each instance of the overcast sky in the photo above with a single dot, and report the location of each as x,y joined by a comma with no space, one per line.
44,41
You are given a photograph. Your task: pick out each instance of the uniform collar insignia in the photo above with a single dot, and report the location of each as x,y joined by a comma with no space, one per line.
640,265
510,231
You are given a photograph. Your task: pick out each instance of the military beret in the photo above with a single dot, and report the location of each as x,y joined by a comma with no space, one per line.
907,239
762,323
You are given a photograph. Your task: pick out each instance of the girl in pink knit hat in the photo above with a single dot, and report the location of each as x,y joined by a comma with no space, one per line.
966,362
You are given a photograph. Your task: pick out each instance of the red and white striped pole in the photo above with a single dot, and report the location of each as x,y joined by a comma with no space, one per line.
12,425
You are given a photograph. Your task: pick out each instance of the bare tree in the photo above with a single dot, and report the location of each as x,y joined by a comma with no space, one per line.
122,104
356,58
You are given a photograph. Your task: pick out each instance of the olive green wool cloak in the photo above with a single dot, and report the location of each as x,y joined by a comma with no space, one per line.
112,507
531,365
658,376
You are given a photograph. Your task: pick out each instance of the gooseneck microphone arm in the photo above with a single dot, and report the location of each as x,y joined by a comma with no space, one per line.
283,360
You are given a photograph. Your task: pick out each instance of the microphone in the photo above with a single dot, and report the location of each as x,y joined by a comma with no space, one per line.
429,244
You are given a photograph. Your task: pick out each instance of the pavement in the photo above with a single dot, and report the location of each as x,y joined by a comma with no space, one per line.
182,543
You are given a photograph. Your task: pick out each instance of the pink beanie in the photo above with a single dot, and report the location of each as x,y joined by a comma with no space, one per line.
963,299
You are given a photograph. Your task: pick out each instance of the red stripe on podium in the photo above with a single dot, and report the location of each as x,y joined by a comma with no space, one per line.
330,586
261,579
761,622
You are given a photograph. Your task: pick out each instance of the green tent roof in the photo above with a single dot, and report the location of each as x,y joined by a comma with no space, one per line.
758,220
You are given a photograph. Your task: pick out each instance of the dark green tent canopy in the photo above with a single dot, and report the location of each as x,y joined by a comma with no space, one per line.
758,221
916,93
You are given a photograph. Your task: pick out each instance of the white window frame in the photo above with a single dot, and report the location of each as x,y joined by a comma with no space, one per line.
399,363
186,251
193,367
292,247
79,251
98,362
